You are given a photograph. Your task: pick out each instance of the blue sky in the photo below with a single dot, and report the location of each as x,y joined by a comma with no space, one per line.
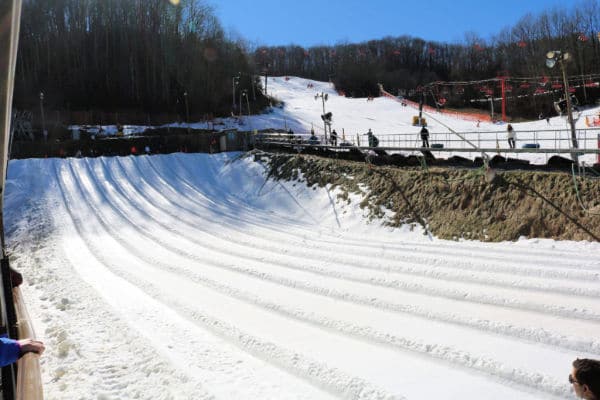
313,22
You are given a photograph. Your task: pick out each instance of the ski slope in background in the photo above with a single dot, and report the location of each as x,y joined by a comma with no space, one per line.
301,111
191,276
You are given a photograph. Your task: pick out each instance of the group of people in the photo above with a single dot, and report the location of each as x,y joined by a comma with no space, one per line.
313,139
333,138
373,141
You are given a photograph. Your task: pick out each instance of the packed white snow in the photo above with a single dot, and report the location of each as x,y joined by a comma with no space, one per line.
193,276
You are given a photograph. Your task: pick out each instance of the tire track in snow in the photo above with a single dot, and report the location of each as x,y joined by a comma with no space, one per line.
460,295
312,371
319,255
532,335
522,255
428,256
151,363
273,220
445,353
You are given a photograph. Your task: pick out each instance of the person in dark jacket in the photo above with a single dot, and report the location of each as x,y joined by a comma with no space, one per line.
425,136
313,139
373,141
334,138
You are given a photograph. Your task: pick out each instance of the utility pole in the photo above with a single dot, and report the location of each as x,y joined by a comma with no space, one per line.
44,134
245,94
234,82
503,78
582,38
266,71
421,102
557,56
240,104
324,98
187,111
569,106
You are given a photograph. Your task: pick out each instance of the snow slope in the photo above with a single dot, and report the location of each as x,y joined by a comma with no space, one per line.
191,276
392,123
301,111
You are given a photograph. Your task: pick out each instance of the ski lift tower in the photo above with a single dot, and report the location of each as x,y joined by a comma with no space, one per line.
503,76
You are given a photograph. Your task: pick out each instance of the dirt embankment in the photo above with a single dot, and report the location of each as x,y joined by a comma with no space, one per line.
460,203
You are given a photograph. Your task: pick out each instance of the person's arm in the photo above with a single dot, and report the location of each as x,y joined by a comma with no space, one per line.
10,351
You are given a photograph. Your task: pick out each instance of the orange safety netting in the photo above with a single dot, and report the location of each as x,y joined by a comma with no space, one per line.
468,116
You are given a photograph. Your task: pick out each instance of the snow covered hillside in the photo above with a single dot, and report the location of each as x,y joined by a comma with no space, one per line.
191,276
301,111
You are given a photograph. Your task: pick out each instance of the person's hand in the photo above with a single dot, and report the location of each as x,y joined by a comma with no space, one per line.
15,278
31,346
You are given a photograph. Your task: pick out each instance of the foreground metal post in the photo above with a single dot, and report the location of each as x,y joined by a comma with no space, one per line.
569,108
560,57
10,14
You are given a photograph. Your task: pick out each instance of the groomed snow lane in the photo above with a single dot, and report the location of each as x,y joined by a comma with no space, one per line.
285,294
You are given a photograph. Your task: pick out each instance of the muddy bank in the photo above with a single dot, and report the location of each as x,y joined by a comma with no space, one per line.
459,203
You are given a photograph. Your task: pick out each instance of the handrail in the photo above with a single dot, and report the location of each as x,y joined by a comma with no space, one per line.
29,377
431,149
550,141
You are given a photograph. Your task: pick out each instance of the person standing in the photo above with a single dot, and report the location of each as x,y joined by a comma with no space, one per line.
585,378
313,139
373,141
511,135
425,136
334,138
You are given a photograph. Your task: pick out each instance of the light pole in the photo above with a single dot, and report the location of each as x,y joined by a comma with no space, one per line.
245,95
240,106
234,82
44,134
324,98
187,111
557,56
266,71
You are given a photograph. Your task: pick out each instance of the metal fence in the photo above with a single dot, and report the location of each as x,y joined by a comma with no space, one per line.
549,141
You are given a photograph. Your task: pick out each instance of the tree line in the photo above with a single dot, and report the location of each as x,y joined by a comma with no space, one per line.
127,54
118,55
403,64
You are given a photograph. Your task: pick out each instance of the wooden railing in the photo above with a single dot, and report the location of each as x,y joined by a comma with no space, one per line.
29,378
